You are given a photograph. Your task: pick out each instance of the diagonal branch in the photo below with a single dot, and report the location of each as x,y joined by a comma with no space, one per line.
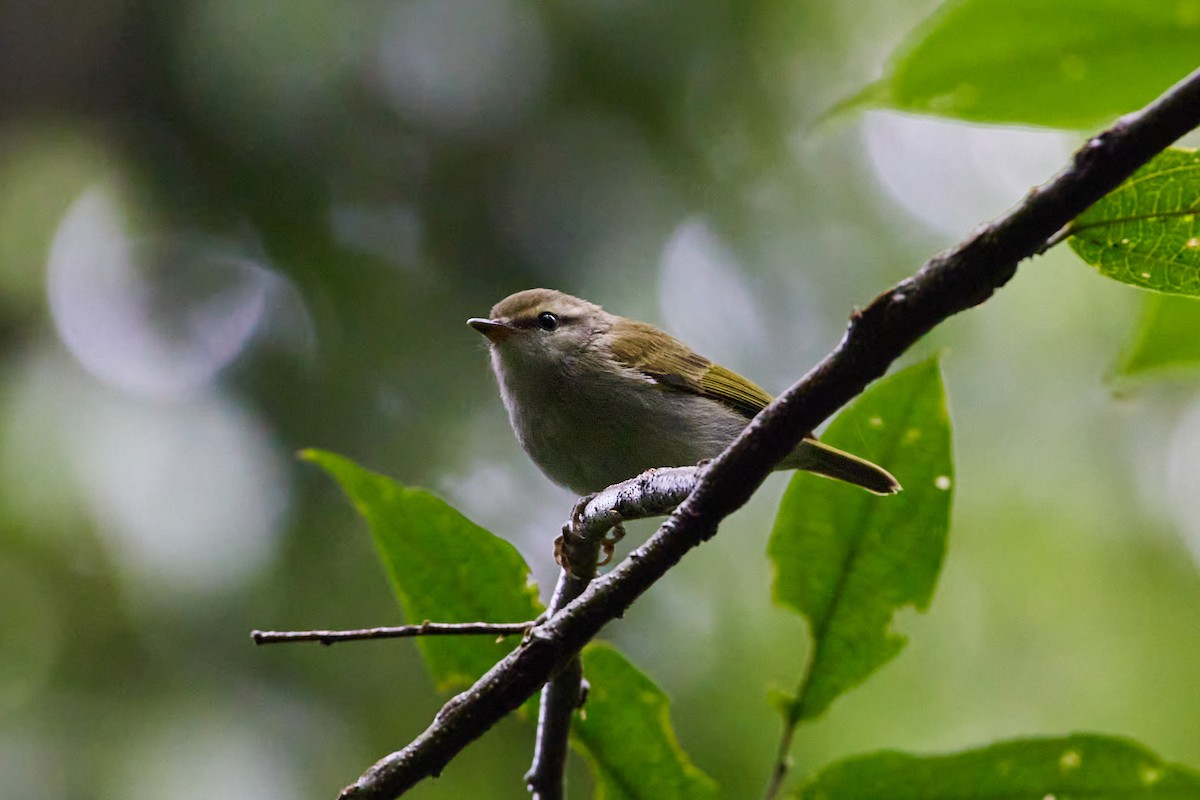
950,282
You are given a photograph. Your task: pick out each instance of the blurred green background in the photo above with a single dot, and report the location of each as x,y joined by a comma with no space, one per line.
230,229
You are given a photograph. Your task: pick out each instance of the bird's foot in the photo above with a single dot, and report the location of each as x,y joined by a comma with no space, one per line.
572,535
609,543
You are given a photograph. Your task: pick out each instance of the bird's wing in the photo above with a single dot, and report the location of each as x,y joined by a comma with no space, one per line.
673,365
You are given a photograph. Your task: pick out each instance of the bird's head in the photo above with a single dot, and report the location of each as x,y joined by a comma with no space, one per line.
542,326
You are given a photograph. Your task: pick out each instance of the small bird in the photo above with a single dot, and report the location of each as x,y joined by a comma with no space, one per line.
596,399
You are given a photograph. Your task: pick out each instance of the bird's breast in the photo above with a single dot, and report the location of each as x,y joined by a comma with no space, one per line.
589,431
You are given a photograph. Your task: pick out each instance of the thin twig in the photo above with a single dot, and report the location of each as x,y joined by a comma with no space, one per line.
396,632
947,284
546,778
783,762
1056,238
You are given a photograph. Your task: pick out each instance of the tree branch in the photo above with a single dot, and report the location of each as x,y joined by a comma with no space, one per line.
879,334
396,632
652,494
546,778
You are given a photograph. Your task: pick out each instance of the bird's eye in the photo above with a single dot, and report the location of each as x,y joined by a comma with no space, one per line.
547,320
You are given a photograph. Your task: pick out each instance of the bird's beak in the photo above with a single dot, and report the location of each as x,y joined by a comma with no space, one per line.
494,330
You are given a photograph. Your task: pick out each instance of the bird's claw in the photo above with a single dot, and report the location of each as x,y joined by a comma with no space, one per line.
577,513
609,543
560,548
571,533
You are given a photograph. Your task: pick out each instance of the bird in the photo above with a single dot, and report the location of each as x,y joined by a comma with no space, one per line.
595,398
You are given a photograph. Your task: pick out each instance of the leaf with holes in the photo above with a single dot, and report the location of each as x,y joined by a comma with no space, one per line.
846,559
1145,232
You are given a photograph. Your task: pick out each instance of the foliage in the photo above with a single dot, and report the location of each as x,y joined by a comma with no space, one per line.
1145,233
1066,64
1082,765
846,560
442,567
625,734
646,156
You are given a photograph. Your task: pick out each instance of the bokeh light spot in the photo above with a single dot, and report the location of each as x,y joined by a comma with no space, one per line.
704,297
187,496
190,495
952,176
155,316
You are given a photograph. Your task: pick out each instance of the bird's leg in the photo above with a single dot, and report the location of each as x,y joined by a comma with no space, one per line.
571,533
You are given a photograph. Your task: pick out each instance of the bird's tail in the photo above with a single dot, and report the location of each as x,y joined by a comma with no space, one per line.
818,457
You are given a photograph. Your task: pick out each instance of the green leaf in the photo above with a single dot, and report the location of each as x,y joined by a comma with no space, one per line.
442,567
845,559
1083,765
1166,341
1062,64
625,734
1144,232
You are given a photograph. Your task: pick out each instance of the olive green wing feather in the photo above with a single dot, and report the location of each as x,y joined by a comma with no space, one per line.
673,365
